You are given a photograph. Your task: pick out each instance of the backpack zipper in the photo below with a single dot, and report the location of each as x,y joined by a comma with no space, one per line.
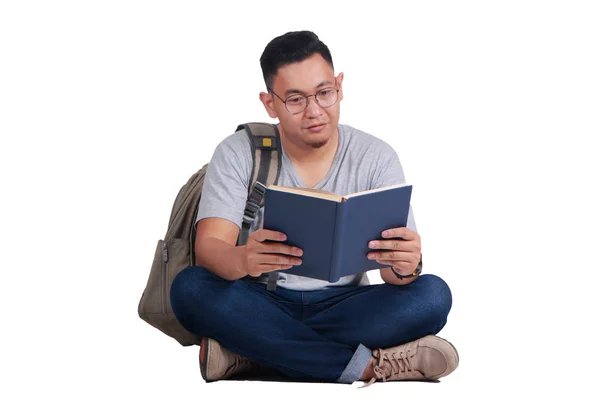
165,259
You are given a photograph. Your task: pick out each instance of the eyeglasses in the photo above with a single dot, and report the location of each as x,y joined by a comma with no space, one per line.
297,103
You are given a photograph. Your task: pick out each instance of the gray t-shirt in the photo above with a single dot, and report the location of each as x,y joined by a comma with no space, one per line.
362,162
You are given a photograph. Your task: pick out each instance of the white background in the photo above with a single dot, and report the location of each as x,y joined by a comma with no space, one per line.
106,109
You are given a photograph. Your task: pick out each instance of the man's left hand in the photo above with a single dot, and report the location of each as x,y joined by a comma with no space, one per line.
400,249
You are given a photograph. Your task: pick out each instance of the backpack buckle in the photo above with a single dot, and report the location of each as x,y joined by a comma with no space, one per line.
247,219
265,142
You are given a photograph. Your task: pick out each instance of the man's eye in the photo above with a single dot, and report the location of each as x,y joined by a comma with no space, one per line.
295,100
327,93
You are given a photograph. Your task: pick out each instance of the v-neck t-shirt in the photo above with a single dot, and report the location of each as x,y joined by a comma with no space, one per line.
362,162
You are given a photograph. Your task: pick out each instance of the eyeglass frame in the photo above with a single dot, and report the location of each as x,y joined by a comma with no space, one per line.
337,94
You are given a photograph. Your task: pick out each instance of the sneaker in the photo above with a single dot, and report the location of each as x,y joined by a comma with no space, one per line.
217,363
425,359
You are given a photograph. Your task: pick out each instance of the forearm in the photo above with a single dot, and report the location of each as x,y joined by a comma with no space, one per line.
220,258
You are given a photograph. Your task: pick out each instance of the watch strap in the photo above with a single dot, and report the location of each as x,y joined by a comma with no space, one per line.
416,272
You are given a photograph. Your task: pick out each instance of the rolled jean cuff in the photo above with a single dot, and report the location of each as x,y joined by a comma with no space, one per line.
357,365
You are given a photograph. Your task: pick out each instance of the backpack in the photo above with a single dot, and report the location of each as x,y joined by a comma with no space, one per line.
176,251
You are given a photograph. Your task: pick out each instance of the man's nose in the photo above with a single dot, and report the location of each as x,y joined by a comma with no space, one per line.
313,108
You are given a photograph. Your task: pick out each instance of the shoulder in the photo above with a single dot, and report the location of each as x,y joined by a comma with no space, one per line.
359,140
237,141
235,149
232,158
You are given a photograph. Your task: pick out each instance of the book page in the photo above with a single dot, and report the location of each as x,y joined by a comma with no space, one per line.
375,190
321,194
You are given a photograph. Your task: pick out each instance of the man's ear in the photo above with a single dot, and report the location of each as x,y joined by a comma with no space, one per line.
268,102
338,81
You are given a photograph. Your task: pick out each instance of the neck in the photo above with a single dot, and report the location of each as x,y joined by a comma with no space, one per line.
302,153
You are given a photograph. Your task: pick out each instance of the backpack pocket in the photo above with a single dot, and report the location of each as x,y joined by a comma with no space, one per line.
170,257
175,257
154,298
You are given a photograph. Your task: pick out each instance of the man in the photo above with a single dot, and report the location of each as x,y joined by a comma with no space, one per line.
308,330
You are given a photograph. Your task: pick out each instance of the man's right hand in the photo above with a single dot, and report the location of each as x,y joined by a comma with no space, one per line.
264,253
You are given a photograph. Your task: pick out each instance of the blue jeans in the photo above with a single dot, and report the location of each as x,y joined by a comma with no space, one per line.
323,335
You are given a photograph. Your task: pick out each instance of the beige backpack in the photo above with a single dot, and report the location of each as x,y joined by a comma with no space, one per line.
176,250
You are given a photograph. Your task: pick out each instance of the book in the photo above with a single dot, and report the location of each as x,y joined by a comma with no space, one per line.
334,231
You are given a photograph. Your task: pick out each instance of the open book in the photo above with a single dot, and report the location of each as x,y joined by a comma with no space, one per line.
334,231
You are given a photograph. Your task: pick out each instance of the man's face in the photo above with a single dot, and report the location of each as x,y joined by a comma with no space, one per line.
315,125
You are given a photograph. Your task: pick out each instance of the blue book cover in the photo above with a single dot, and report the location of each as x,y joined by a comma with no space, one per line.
334,231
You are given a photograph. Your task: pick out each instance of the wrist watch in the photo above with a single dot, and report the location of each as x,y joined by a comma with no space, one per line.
416,272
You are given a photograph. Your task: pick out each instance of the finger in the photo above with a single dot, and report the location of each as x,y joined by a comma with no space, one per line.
265,234
394,244
278,259
403,233
264,268
281,249
400,265
391,256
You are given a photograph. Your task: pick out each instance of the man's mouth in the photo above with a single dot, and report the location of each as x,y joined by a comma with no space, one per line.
316,128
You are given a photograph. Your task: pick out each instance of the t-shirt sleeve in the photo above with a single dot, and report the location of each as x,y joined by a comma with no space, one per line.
226,182
388,171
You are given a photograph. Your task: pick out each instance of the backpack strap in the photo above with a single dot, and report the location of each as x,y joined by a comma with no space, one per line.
266,154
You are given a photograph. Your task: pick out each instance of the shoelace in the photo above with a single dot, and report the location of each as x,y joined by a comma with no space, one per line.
397,367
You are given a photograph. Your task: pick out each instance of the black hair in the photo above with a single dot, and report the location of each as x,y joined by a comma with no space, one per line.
290,48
